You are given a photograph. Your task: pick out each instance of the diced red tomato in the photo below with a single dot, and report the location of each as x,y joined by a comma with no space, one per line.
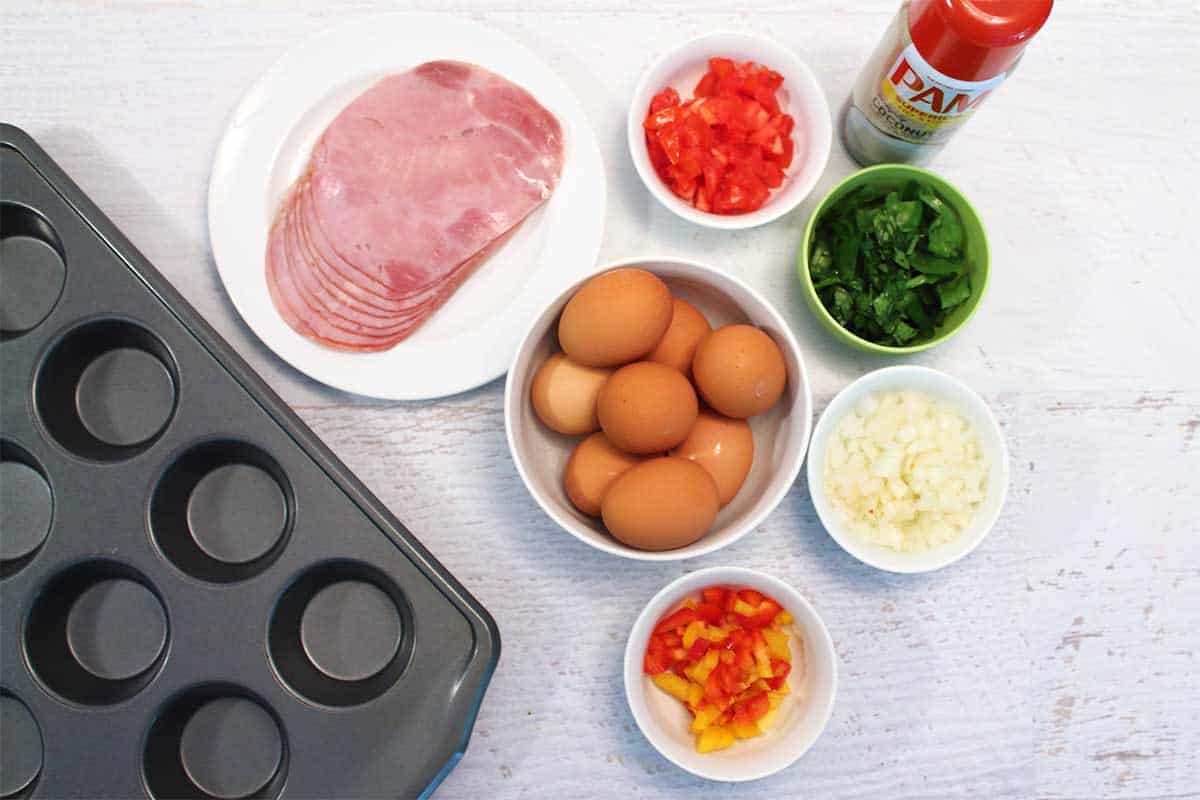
666,98
729,146
722,67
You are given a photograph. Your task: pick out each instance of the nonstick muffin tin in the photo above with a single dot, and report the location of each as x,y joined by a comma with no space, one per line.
198,599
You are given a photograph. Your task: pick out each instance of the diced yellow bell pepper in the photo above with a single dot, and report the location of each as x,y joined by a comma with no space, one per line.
776,699
714,738
699,671
768,720
673,685
777,644
745,730
694,631
690,603
783,618
695,694
762,659
715,635
744,608
758,687
705,716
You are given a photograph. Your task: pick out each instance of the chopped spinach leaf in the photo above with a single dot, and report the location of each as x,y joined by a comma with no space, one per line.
889,264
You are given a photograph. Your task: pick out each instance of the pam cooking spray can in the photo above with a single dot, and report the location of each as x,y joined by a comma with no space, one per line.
938,61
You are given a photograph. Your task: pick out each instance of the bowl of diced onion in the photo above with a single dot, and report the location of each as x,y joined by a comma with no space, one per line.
908,469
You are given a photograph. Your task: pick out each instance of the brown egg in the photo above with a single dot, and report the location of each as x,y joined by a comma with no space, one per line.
615,318
646,407
661,504
739,371
594,465
564,395
724,447
678,344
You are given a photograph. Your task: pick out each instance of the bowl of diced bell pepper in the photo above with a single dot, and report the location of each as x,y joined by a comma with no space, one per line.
730,130
730,674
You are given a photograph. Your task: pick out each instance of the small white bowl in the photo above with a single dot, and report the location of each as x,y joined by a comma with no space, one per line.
958,396
780,435
802,717
800,96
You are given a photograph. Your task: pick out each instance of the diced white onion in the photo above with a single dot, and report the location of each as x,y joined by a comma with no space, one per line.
905,471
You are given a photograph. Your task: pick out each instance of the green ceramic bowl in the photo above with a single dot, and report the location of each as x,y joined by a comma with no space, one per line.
895,176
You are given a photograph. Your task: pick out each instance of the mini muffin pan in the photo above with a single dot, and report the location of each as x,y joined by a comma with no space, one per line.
198,599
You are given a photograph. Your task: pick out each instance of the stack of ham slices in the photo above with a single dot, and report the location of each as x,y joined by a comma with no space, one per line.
413,186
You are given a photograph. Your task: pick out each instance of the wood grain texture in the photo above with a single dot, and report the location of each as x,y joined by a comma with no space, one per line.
1058,661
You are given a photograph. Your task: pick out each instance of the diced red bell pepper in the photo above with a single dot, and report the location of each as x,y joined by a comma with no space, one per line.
655,660
679,619
751,596
764,616
712,654
710,613
698,649
779,673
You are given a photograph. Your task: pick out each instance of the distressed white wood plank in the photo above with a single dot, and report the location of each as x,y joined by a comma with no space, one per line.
1058,661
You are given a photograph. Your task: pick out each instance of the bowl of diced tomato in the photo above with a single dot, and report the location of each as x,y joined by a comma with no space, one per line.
730,674
730,130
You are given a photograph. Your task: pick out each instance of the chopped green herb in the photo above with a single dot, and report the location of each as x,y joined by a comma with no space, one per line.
890,265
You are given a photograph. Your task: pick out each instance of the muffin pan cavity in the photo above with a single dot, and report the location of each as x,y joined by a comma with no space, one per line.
196,592
97,633
216,741
28,507
32,268
107,389
21,753
223,511
341,634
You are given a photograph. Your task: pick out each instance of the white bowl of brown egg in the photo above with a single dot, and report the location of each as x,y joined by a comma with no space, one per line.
658,409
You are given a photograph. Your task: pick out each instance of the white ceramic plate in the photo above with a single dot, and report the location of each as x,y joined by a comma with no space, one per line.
802,717
471,339
801,96
958,396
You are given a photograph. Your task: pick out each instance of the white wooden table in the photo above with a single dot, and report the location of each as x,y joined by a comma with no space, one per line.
1059,661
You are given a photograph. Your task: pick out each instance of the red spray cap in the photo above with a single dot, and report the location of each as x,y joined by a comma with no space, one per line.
973,40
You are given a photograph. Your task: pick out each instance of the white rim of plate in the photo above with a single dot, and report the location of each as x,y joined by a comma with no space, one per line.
564,234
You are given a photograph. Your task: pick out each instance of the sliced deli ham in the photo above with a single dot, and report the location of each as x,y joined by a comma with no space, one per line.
413,186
